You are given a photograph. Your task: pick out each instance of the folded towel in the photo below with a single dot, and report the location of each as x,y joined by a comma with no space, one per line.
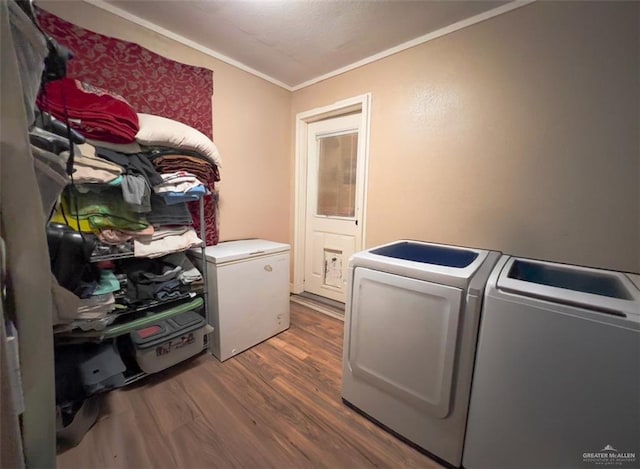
166,245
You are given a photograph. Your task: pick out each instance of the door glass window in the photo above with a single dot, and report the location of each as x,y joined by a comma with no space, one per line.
337,161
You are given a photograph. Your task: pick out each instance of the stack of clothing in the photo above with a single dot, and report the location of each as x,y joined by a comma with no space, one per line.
130,197
94,311
180,186
173,147
153,279
168,278
163,214
140,177
95,210
94,112
168,160
189,275
166,240
117,237
89,169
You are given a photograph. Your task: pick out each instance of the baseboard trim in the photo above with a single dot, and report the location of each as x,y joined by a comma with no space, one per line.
316,307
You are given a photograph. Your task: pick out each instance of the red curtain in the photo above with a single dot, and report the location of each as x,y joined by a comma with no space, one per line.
152,84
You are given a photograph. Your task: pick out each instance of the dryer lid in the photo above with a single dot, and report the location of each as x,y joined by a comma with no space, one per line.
594,289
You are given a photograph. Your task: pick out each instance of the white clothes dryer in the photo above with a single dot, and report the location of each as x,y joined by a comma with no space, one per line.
411,325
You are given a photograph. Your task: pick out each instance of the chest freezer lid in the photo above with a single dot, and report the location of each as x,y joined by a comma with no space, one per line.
229,251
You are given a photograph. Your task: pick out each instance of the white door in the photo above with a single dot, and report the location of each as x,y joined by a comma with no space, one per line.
335,195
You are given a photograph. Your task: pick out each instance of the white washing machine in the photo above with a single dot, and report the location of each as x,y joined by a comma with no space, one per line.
411,325
557,374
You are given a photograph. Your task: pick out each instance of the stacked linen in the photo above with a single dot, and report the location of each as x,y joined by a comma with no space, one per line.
158,224
153,279
117,237
166,240
140,176
163,214
102,302
89,169
180,186
94,112
168,161
174,147
136,163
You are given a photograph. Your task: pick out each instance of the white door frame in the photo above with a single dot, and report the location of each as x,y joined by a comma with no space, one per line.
361,104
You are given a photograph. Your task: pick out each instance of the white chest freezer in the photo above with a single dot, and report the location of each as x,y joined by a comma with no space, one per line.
248,287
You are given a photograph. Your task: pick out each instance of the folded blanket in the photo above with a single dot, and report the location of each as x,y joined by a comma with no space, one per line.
116,237
94,112
206,172
89,169
166,245
163,214
180,181
164,231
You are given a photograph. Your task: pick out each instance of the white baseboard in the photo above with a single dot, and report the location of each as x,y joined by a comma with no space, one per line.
316,307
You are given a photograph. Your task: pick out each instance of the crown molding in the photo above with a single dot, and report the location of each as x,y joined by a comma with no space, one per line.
183,40
373,58
419,40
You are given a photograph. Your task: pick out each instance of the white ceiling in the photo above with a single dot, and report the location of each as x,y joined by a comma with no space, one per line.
295,42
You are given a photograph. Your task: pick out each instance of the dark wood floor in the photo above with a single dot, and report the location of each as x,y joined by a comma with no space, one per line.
275,405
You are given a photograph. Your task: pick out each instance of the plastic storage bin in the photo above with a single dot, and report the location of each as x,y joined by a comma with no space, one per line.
170,341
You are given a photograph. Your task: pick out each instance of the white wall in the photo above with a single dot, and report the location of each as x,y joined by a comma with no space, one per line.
520,133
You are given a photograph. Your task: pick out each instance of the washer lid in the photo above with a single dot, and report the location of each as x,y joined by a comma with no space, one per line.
243,249
438,263
447,256
594,289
